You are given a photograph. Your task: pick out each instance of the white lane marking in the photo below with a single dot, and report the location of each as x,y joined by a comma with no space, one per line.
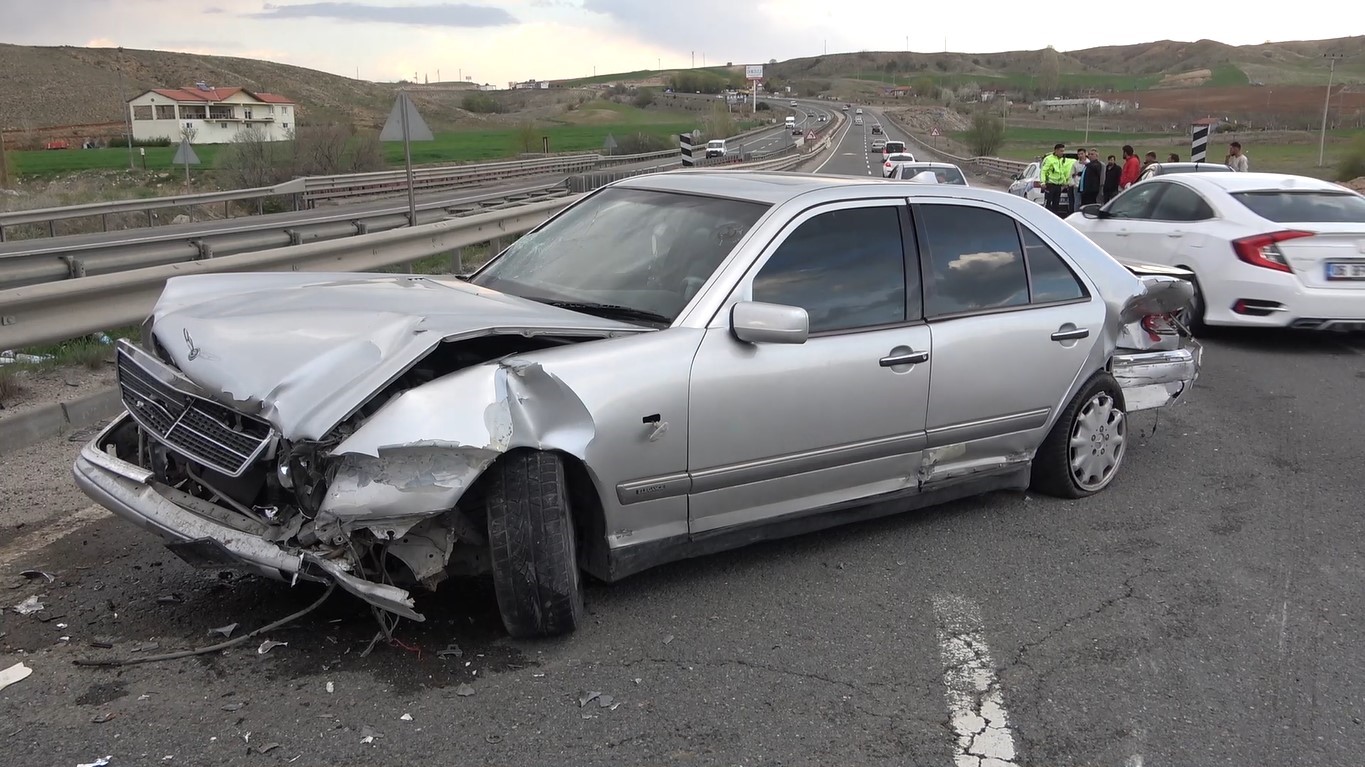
975,702
838,143
46,536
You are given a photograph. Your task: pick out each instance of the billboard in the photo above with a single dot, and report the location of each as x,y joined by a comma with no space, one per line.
753,72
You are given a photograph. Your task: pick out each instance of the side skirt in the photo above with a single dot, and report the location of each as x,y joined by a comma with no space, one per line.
629,560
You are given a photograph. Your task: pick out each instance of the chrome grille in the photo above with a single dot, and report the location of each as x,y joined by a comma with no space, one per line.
198,429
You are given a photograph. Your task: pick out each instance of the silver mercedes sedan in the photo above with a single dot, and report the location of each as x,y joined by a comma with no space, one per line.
676,364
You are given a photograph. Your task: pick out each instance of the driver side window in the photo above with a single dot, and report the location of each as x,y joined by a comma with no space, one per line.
1136,202
846,268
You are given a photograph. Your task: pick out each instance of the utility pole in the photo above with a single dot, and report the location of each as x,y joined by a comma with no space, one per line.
1089,97
4,169
1333,58
127,116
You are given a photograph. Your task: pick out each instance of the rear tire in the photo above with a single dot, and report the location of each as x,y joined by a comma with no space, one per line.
533,546
1084,451
1192,315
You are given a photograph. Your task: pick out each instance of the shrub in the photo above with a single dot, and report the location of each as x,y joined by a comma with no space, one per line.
482,103
986,134
1352,166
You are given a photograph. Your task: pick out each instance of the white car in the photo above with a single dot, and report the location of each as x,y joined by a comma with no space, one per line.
878,144
1267,249
1028,184
859,111
941,172
894,159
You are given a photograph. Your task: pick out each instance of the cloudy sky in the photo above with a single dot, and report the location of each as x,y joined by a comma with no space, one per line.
501,40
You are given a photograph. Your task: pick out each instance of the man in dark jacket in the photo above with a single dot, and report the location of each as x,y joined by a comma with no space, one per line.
1091,179
1112,173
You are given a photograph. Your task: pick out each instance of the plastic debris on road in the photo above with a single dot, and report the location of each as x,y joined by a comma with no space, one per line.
29,606
16,673
269,645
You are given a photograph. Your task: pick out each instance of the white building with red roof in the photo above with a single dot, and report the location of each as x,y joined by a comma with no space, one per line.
214,115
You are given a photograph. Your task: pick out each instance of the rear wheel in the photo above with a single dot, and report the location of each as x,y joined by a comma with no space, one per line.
533,545
1083,452
1192,314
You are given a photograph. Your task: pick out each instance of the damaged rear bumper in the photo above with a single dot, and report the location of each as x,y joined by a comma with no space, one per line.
133,493
1157,379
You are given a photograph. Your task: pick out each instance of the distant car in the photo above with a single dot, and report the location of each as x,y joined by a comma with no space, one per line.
944,172
824,118
893,147
716,148
876,128
857,121
379,431
877,145
793,102
1266,249
894,159
1167,168
1029,185
859,111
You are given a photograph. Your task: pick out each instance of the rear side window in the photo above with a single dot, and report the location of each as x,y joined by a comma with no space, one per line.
1305,207
975,262
1050,279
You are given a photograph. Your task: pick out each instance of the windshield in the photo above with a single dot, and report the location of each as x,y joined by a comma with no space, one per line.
1305,207
643,251
945,175
715,144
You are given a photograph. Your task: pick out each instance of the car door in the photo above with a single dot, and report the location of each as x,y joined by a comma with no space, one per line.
1013,327
1024,182
783,429
1178,228
1125,222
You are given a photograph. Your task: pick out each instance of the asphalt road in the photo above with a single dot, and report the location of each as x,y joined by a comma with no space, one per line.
1204,610
853,155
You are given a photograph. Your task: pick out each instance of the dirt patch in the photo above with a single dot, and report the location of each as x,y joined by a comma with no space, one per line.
1357,184
32,387
1186,79
923,119
1242,100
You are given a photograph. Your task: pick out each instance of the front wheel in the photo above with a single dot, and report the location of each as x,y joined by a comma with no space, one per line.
1085,448
533,546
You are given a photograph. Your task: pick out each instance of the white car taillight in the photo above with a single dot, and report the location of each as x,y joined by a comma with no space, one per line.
1260,250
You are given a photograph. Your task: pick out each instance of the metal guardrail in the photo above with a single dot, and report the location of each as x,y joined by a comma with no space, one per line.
312,189
56,311
993,165
40,261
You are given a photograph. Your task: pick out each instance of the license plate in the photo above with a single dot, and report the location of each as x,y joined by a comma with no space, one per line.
1346,271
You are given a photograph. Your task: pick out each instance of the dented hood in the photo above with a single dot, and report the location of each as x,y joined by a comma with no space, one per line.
304,350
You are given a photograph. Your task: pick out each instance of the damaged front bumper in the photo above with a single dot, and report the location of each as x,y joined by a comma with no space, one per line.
133,493
1157,379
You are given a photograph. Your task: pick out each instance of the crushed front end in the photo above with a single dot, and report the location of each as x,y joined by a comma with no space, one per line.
223,489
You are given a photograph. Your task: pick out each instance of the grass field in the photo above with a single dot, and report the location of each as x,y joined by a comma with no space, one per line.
639,74
584,129
1066,81
1281,153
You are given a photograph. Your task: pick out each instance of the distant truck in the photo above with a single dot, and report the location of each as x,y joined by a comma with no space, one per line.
716,148
791,123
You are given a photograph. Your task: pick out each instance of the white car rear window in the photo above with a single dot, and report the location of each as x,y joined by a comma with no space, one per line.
1305,207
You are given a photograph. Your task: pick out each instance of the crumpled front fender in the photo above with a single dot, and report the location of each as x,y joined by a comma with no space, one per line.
421,452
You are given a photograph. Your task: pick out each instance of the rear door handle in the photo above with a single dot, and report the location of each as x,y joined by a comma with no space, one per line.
1071,335
911,358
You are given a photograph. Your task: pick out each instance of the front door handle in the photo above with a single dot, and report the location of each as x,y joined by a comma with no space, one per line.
1071,335
1120,234
910,358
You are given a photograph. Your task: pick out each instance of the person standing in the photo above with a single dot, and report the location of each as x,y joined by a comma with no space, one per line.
1092,179
1132,168
1112,174
1055,176
1077,171
1172,157
1235,159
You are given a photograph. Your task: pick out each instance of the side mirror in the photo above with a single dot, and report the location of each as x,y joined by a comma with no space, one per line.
1016,177
1093,211
755,322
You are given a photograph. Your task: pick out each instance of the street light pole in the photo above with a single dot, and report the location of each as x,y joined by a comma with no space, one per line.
1327,103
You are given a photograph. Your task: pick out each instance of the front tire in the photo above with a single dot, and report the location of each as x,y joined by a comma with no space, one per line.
533,546
1083,452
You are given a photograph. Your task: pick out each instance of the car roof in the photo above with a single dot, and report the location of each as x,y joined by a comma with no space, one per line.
1250,182
1202,167
769,187
928,164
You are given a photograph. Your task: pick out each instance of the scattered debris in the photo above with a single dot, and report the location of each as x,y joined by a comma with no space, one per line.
668,639
170,599
101,644
16,673
604,701
29,606
269,645
147,647
267,748
34,575
494,739
452,651
588,697
232,706
103,717
464,690
331,687
406,717
637,680
226,631
101,762
368,735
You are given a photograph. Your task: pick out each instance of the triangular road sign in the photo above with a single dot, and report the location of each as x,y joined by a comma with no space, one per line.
393,127
610,144
184,155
